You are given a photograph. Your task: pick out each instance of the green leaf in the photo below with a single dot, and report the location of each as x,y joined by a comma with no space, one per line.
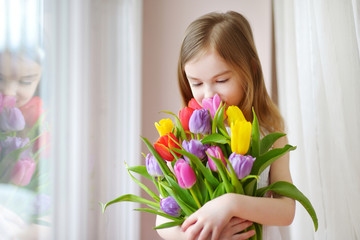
269,140
289,190
215,138
250,186
153,211
169,224
131,198
140,170
223,173
265,160
215,120
255,137
220,123
220,190
234,180
146,189
182,193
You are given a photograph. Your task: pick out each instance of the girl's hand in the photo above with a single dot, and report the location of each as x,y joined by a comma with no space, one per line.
234,227
209,220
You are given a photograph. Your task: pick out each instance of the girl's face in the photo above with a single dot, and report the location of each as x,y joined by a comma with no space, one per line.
210,74
19,77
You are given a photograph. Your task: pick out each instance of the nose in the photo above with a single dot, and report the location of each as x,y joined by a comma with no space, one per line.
9,88
209,91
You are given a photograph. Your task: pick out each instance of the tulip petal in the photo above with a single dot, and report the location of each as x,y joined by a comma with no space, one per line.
240,137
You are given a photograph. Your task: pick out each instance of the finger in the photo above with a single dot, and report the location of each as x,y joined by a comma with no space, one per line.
235,220
193,232
240,227
187,223
205,233
243,236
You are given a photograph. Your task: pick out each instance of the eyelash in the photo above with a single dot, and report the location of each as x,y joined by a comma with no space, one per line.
222,81
27,83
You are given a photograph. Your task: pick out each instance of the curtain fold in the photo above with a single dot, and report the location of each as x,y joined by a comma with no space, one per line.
318,67
95,74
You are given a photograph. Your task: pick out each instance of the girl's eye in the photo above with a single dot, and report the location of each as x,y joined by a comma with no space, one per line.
25,82
222,80
197,84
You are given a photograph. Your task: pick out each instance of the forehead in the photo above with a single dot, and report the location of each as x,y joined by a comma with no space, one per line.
14,65
206,64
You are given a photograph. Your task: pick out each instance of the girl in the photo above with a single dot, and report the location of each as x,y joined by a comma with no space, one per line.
218,56
20,75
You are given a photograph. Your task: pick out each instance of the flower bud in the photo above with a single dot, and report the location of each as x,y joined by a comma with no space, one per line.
212,104
215,151
184,116
164,144
152,166
170,206
200,122
184,173
23,171
241,164
11,119
194,147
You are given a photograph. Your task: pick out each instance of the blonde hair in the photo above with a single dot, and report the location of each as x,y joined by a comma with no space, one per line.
230,35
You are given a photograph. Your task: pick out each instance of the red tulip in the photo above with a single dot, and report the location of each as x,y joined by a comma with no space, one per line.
164,144
194,104
184,115
32,111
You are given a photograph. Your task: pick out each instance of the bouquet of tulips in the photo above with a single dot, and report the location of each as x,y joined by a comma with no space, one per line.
197,159
23,140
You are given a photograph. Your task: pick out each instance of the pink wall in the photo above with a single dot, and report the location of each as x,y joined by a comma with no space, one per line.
164,23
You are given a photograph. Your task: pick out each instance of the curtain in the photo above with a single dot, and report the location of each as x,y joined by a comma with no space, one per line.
318,72
93,75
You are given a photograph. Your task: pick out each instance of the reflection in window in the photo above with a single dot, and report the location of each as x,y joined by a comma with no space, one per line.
24,132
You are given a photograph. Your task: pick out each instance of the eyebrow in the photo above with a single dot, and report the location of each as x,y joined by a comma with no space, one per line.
217,75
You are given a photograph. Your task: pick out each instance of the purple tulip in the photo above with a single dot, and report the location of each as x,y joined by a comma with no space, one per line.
215,151
212,104
23,171
152,166
170,206
184,173
11,119
200,121
11,144
194,147
241,164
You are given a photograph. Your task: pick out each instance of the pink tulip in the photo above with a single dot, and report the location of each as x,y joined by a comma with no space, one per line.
212,104
215,151
23,171
184,173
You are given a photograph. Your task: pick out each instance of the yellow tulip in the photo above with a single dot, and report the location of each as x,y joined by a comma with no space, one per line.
234,114
164,126
240,136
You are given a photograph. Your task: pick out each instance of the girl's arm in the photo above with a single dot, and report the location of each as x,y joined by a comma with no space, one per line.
210,219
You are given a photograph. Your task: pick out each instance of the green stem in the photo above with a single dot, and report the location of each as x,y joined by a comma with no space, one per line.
195,197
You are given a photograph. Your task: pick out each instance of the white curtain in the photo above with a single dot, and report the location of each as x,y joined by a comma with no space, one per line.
93,76
318,72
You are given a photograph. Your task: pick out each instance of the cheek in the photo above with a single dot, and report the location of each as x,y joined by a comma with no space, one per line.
24,95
